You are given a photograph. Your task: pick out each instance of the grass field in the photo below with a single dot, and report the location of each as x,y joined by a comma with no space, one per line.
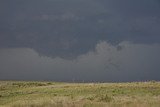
52,94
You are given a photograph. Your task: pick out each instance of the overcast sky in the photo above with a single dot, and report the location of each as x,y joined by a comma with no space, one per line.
80,40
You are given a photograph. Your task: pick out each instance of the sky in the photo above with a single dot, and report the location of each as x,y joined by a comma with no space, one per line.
80,40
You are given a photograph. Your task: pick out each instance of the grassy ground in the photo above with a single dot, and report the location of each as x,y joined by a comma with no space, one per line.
51,94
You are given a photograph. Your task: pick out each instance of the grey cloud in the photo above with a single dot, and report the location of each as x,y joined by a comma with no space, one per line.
123,62
67,29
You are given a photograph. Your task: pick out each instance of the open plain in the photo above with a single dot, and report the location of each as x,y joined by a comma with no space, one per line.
57,94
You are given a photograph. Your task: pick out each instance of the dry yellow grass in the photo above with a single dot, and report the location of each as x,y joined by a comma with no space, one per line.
51,94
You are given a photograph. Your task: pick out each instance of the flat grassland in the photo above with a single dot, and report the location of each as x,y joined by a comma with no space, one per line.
54,94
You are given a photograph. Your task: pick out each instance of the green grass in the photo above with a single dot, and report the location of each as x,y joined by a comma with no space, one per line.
52,94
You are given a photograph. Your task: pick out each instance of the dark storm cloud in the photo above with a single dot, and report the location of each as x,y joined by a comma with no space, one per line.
123,62
73,27
91,40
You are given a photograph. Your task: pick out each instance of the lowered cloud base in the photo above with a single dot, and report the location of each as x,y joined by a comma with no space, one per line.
107,63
